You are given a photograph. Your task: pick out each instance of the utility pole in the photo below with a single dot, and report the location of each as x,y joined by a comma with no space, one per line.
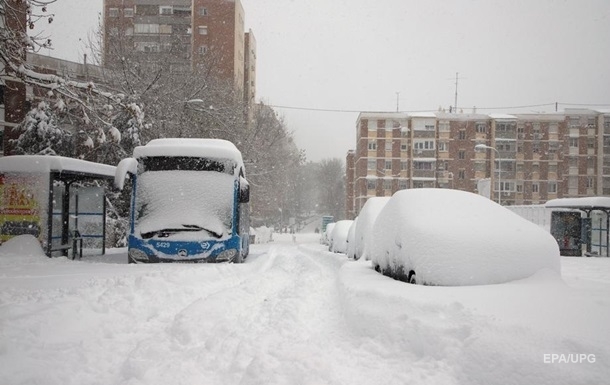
455,106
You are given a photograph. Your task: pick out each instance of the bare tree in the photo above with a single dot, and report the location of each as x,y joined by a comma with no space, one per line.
331,179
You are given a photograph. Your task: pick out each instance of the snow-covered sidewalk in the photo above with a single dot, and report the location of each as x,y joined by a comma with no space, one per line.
294,314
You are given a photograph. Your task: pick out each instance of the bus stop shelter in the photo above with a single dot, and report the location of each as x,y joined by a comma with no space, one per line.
59,200
591,230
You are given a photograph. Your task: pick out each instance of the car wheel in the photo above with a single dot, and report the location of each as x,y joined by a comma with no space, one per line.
413,278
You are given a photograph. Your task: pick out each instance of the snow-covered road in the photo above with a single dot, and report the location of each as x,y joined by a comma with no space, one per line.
294,314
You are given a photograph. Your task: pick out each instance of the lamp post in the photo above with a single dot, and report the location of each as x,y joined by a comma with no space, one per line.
480,147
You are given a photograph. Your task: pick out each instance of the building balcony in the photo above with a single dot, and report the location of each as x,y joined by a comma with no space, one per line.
424,154
428,174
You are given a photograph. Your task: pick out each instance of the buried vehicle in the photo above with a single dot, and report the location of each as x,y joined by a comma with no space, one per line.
189,201
453,238
364,228
338,237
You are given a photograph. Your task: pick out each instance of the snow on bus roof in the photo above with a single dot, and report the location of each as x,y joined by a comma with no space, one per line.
48,163
212,148
584,203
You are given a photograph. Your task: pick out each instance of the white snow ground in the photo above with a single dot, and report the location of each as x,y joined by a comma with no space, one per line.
294,313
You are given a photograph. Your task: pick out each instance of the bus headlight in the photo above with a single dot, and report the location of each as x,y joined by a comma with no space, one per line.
226,255
138,255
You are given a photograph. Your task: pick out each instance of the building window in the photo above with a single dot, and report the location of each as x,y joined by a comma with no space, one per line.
388,164
402,185
387,184
182,10
461,154
423,165
443,126
388,145
519,188
461,174
202,30
165,29
553,128
553,187
372,145
535,187
591,142
574,121
129,31
370,184
573,142
423,145
403,165
203,11
203,49
166,10
371,164
590,182
113,12
128,12
481,128
146,28
462,135
442,146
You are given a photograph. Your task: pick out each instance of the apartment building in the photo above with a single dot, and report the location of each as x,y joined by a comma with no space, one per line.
206,36
526,158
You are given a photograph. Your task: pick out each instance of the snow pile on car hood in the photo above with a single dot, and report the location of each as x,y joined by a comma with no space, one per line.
451,237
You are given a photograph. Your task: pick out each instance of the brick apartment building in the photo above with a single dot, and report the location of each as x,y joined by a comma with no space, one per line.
187,35
534,157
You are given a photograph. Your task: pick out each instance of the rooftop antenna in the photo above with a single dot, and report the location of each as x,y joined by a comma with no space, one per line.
456,88
397,101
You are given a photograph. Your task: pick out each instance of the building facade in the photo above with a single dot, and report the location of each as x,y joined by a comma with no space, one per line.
206,36
527,158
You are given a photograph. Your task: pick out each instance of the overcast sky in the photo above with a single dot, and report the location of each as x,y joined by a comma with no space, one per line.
356,55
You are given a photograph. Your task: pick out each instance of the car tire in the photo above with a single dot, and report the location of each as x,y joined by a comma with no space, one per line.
413,278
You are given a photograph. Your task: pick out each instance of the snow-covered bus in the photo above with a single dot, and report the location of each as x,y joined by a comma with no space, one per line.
189,201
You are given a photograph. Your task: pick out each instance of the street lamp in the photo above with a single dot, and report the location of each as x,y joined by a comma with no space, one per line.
481,147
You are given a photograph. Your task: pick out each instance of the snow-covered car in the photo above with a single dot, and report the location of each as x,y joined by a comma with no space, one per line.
325,239
351,240
338,237
366,219
454,238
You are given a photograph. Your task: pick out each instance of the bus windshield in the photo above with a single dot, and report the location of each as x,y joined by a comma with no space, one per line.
184,205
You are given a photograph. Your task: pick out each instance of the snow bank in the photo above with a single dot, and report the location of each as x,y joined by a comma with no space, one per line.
263,234
21,248
451,237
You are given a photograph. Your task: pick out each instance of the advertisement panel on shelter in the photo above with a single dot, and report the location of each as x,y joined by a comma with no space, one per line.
22,205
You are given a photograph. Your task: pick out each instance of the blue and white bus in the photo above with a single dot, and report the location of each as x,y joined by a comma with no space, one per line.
189,201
